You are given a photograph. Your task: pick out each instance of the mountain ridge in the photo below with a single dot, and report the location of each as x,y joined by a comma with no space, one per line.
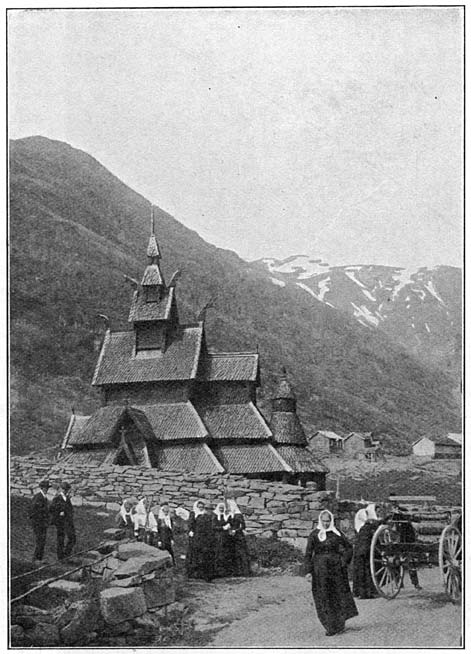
76,229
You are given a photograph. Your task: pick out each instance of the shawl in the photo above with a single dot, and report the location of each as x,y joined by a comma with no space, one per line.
323,532
125,514
361,517
371,512
233,508
143,518
220,514
165,517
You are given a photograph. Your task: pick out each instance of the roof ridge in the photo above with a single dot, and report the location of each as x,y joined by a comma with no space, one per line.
225,354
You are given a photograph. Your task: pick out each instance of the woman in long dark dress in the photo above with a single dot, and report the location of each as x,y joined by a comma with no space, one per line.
165,530
241,563
198,509
328,553
225,546
366,523
202,550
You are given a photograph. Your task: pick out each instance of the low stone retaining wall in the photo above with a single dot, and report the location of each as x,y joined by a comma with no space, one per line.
271,509
134,597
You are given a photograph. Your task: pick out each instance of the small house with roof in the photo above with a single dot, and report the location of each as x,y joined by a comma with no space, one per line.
448,447
360,445
326,443
169,402
424,446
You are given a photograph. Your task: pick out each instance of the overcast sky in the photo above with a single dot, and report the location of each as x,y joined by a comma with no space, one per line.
335,133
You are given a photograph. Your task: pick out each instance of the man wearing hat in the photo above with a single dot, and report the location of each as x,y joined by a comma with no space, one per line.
62,516
39,516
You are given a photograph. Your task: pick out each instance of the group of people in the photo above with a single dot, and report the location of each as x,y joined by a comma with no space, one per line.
216,540
138,519
60,513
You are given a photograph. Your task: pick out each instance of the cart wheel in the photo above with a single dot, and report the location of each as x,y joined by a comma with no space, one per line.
386,568
449,560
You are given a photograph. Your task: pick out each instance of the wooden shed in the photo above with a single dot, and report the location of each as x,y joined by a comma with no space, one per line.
326,443
447,448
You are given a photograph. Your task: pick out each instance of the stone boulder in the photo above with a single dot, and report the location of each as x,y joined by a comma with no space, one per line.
122,604
115,534
143,565
44,634
159,591
80,619
127,550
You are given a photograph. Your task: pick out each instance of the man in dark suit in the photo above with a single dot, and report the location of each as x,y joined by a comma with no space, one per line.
62,516
39,516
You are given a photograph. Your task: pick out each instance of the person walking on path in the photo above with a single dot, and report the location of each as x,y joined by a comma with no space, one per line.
366,523
241,564
328,554
165,530
62,516
39,517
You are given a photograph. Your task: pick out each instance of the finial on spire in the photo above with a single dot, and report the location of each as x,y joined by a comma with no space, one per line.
152,226
153,251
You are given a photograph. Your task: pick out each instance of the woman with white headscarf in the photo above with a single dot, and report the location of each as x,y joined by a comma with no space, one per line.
328,554
201,552
125,517
145,524
363,586
224,559
165,529
241,560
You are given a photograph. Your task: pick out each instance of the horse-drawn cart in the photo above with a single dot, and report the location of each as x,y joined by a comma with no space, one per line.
410,540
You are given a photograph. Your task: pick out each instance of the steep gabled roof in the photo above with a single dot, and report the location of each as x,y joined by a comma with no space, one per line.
100,428
195,457
229,366
234,422
363,435
286,428
142,311
174,421
458,438
118,364
250,458
300,459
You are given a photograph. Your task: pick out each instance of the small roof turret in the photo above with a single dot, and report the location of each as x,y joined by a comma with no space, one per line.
153,251
283,390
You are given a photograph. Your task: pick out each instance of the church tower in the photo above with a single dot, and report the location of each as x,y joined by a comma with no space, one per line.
153,310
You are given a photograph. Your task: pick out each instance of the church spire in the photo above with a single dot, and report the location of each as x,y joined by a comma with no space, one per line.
153,251
152,275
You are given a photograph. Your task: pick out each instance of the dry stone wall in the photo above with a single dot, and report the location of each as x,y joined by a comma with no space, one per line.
270,508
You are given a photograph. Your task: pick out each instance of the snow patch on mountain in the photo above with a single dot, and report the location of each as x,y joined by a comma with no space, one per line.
316,295
277,282
363,313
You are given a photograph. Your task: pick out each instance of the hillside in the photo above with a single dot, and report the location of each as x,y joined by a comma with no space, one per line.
75,229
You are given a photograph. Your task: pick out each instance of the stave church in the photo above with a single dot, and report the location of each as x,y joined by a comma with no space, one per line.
168,402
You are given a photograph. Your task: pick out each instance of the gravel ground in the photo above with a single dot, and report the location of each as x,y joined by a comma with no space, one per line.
278,611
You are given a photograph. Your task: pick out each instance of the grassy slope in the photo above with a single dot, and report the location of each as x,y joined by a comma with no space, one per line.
75,229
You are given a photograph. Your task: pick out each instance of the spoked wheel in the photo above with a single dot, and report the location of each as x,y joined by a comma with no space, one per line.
449,560
386,567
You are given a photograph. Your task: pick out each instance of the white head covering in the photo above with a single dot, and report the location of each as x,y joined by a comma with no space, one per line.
143,518
371,512
196,510
165,517
122,511
232,505
323,532
217,511
361,517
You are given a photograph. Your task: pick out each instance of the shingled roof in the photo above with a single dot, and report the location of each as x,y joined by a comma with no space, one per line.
195,457
142,311
75,426
234,422
250,458
174,421
286,428
101,426
300,459
229,366
118,364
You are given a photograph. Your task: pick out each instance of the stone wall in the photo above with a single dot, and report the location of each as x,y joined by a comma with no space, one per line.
270,508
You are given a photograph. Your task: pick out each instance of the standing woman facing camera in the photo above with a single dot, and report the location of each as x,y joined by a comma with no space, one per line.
328,554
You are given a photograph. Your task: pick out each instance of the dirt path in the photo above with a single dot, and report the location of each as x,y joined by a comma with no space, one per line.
278,612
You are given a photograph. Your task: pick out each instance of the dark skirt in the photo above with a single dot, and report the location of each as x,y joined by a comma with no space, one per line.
363,586
331,592
241,556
